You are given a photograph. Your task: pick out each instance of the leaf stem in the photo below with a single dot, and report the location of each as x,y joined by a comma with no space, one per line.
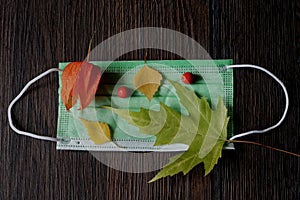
90,45
263,145
145,57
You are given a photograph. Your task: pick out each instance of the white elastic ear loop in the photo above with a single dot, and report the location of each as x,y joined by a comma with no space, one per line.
286,99
18,97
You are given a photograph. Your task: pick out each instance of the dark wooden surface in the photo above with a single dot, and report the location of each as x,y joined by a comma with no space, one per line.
37,35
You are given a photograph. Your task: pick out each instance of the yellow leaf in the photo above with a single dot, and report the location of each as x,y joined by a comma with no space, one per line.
147,81
98,132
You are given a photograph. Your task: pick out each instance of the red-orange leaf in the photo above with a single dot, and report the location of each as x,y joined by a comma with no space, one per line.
86,83
69,77
79,81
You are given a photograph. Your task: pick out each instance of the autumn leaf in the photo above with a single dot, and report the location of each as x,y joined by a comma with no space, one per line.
79,81
147,81
98,132
69,76
204,130
86,83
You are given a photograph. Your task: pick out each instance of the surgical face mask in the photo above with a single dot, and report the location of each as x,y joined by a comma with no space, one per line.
215,78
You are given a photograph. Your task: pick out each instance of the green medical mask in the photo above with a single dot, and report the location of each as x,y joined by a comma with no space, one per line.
215,78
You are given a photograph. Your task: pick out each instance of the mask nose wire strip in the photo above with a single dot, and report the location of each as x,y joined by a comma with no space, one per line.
18,97
285,93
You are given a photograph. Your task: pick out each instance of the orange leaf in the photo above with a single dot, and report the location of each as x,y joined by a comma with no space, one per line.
69,77
79,80
86,84
147,81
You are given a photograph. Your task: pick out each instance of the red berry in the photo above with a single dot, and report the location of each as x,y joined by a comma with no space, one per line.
123,92
187,78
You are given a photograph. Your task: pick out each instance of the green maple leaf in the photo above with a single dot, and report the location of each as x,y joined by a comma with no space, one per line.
204,147
204,130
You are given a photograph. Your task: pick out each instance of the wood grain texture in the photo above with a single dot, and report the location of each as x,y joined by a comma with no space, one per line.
37,35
